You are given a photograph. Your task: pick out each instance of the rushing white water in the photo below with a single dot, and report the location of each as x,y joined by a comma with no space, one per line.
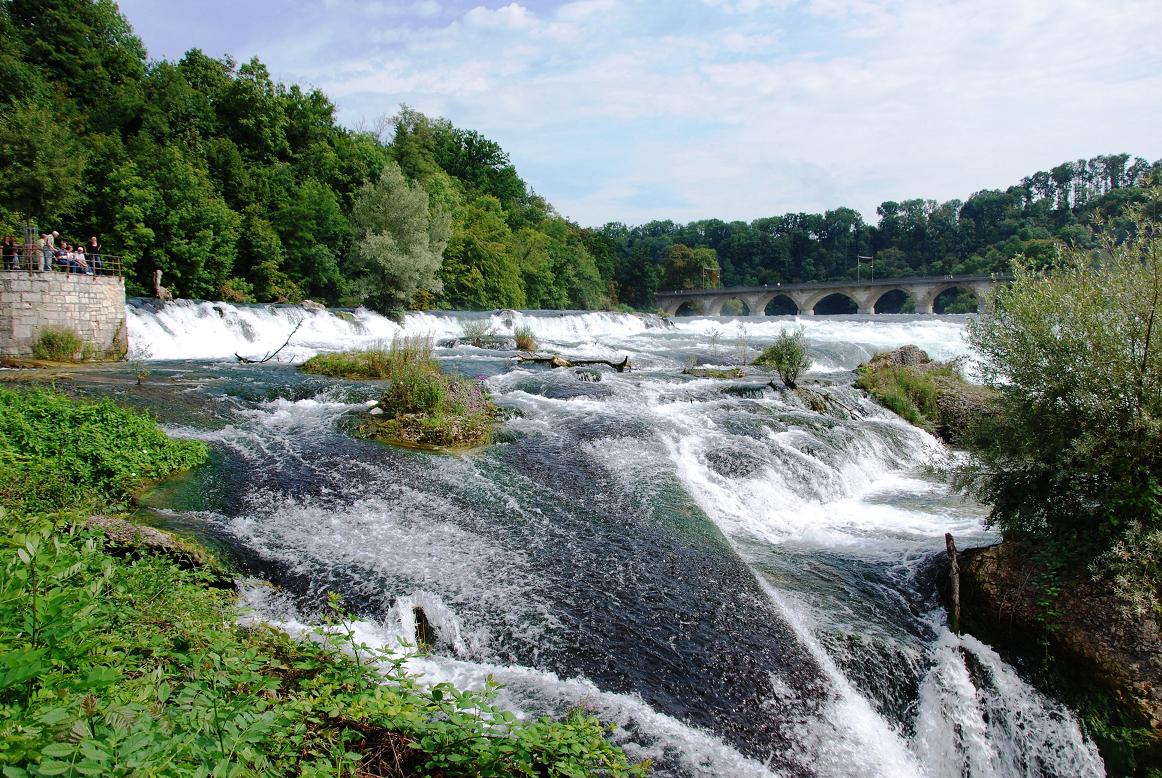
834,517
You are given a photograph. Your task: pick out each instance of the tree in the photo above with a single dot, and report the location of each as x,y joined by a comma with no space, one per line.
398,244
1073,455
788,355
40,161
480,270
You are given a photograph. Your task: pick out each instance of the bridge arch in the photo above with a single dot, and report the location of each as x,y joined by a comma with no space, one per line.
779,304
733,306
688,308
935,296
835,302
894,300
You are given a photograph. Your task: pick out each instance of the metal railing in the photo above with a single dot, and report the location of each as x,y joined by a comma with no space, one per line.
31,259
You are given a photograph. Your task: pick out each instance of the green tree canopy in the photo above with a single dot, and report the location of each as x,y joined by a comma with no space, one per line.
398,243
1074,454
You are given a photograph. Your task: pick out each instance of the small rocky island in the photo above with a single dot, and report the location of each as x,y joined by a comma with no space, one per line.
422,407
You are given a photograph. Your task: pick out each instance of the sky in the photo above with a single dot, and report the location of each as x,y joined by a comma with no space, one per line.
634,110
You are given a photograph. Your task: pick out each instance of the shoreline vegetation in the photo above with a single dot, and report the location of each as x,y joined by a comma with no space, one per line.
117,657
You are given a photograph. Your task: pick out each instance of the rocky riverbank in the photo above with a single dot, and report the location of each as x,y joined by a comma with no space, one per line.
1079,641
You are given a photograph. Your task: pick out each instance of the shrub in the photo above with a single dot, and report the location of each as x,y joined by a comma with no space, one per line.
478,332
525,340
237,290
57,344
787,355
1074,456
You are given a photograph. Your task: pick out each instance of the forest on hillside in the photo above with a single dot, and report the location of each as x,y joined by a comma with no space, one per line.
241,188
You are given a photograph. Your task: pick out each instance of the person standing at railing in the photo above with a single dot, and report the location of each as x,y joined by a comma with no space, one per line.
93,254
11,254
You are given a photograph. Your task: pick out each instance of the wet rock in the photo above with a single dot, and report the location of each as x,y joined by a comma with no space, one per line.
126,537
904,356
1097,650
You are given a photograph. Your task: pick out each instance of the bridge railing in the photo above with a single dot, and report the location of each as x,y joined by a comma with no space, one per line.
30,259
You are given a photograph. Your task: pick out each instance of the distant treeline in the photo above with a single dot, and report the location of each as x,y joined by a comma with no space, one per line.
244,189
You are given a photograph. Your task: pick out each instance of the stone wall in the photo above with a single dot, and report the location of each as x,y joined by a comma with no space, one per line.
91,306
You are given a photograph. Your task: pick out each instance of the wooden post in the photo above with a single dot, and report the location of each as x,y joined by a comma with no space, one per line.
954,584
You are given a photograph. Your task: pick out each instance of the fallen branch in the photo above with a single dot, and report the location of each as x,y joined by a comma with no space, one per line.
273,354
557,360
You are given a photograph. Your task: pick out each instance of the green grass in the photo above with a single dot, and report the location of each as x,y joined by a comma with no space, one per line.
910,392
525,339
56,453
57,344
116,665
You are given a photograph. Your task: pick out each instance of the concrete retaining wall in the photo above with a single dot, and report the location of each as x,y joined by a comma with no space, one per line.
91,306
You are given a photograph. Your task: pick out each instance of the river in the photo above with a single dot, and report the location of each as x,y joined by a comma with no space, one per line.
743,586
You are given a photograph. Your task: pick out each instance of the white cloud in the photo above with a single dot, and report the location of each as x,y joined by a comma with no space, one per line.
630,110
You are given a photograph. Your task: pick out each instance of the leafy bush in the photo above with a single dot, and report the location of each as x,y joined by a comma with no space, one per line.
525,339
787,355
1074,457
55,452
57,344
237,290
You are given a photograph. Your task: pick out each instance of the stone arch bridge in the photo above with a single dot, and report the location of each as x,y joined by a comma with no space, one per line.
865,294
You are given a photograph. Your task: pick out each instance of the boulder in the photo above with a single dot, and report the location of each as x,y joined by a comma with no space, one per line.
1098,650
126,537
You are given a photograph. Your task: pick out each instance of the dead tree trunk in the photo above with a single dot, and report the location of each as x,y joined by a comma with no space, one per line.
272,354
953,584
556,361
160,291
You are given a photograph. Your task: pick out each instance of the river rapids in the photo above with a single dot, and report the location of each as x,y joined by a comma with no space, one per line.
741,585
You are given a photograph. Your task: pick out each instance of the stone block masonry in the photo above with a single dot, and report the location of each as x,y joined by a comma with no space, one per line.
91,306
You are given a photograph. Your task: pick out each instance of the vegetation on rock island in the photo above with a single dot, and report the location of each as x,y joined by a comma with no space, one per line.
931,395
422,407
788,356
119,662
241,188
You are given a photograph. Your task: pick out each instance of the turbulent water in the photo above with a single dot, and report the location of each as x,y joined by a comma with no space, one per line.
742,585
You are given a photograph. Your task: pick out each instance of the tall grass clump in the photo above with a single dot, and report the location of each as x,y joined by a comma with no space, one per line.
525,339
788,356
57,344
478,332
372,362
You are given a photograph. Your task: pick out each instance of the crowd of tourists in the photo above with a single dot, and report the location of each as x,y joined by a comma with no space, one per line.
53,253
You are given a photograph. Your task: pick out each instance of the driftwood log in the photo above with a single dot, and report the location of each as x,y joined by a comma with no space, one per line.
556,360
271,355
